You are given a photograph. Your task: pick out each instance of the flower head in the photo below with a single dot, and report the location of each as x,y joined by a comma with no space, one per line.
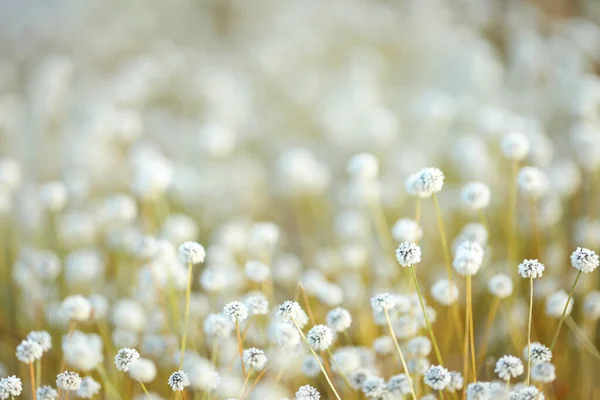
501,286
508,367
531,269
77,308
178,381
88,388
307,392
515,146
288,311
585,260
254,358
142,370
476,195
408,254
543,372
339,319
125,357
556,302
478,391
468,258
28,351
407,230
320,337
46,393
444,292
191,253
539,353
42,337
236,311
10,386
68,381
382,302
437,377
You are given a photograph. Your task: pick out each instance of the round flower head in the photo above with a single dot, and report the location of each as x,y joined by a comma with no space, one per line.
478,391
555,304
515,146
142,370
539,353
437,377
383,345
339,319
29,351
320,337
476,195
591,305
543,372
46,393
383,301
310,367
407,230
444,292
533,182
217,325
585,260
191,253
501,286
88,388
468,258
257,271
288,311
508,367
68,381
531,269
456,382
399,385
77,308
125,357
430,180
418,366
42,337
236,311
53,195
10,386
408,254
414,187
419,346
363,166
255,359
257,304
178,381
373,386
307,392
527,393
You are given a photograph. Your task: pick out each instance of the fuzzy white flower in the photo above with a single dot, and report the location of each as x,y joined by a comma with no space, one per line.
191,253
178,381
543,372
257,271
254,358
320,337
501,286
257,304
476,195
478,391
419,346
217,325
142,370
533,182
515,146
408,253
307,392
585,260
531,269
399,385
236,311
339,319
88,388
509,367
437,377
539,353
383,301
68,381
77,308
10,386
444,292
468,258
591,305
46,393
456,382
28,351
363,166
555,304
125,357
288,311
373,387
407,230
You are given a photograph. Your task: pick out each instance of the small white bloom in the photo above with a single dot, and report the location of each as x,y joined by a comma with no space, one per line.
399,385
533,182
531,269
543,372
476,195
88,388
408,253
236,311
373,387
339,319
501,286
383,301
508,367
178,381
478,391
46,393
444,292
142,370
437,377
468,258
407,230
591,305
254,358
539,353
307,392
555,304
125,357
10,386
69,381
456,382
320,337
28,351
363,166
515,146
585,260
191,253
257,271
77,308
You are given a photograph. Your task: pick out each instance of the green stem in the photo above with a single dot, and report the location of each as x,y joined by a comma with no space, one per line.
402,360
187,314
564,313
529,330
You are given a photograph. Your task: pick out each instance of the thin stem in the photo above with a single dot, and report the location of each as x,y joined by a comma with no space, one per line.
145,390
466,349
443,237
38,372
441,394
337,396
471,335
187,314
245,382
529,330
346,381
399,351
424,310
256,381
381,226
488,329
564,313
31,375
307,304
240,345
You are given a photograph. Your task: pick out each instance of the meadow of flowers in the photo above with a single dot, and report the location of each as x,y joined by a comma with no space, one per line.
304,199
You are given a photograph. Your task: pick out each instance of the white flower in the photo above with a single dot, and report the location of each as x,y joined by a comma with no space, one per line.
531,269
142,370
407,230
408,254
399,385
431,180
456,382
508,367
478,391
555,304
217,325
10,386
88,388
29,351
191,253
476,195
533,182
202,374
585,260
125,357
419,346
257,271
527,393
339,319
363,166
515,146
310,367
468,258
254,358
320,337
77,308
437,377
539,353
501,286
178,381
543,372
257,304
383,301
444,292
236,311
288,311
307,392
69,381
46,393
591,305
